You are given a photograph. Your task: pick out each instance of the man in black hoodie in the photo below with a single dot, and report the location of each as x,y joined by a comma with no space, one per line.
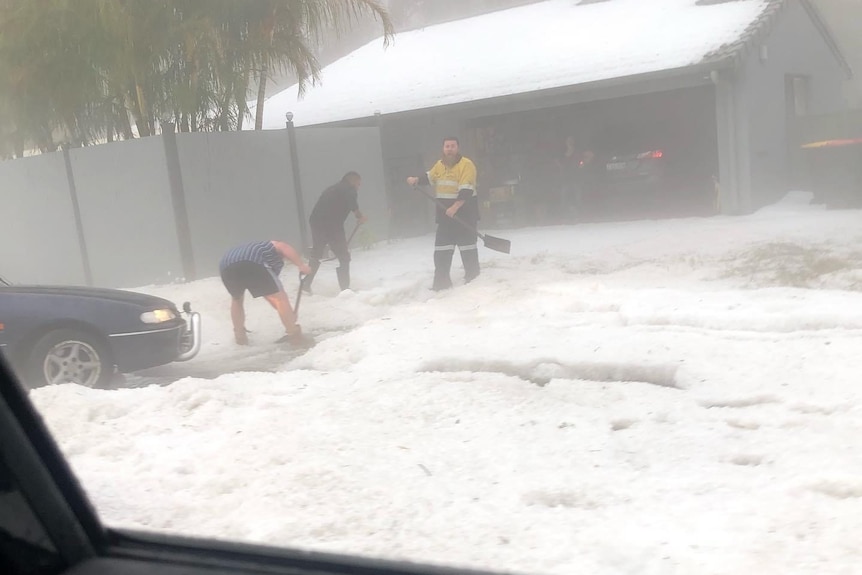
327,227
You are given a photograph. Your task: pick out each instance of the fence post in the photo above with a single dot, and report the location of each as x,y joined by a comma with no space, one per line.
297,183
76,210
178,201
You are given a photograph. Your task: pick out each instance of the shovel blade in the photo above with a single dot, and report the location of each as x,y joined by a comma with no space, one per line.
497,244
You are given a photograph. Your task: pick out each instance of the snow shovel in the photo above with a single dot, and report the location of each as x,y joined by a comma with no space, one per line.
307,341
353,233
295,307
492,243
298,296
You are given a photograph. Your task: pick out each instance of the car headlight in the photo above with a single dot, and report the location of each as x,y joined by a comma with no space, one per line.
158,316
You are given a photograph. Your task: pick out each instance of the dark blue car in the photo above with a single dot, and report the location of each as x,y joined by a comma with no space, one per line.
89,335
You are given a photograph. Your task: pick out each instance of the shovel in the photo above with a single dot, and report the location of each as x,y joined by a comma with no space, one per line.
295,307
298,296
308,341
491,242
353,233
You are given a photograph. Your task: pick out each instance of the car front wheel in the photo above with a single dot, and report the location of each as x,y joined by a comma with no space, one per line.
70,356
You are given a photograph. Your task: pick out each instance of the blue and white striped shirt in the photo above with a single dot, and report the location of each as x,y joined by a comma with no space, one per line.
263,253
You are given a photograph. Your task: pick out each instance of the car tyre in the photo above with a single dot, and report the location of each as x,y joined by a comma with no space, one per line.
70,355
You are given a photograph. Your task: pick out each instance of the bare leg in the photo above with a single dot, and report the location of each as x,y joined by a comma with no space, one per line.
237,316
285,312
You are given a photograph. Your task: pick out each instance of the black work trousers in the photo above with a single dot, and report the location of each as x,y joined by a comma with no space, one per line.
325,233
451,233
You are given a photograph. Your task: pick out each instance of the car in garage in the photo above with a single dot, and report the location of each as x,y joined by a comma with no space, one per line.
645,181
89,336
642,171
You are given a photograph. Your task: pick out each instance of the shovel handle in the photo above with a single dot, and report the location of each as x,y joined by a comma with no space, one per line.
491,242
298,296
455,217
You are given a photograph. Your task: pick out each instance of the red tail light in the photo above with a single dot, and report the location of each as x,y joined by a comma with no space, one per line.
655,154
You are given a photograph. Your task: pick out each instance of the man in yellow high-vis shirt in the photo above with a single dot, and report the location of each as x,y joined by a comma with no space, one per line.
454,180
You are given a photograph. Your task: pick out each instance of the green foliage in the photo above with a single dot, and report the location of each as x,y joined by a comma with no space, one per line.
82,71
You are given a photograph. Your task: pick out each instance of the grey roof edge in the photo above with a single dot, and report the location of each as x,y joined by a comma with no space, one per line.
759,29
763,25
828,36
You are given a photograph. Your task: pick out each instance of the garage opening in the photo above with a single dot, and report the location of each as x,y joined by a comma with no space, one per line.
635,157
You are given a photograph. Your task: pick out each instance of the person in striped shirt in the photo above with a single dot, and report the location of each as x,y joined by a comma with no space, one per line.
255,266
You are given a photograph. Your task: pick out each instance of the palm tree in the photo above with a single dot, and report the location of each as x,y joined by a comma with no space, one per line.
286,33
46,80
98,69
226,43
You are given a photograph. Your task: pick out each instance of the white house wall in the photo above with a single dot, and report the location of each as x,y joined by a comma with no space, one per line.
795,46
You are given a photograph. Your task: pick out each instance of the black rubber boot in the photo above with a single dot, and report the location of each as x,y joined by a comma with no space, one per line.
343,273
470,259
442,265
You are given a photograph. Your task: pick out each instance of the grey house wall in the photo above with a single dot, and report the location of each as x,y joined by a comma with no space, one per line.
38,236
236,187
731,112
795,47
